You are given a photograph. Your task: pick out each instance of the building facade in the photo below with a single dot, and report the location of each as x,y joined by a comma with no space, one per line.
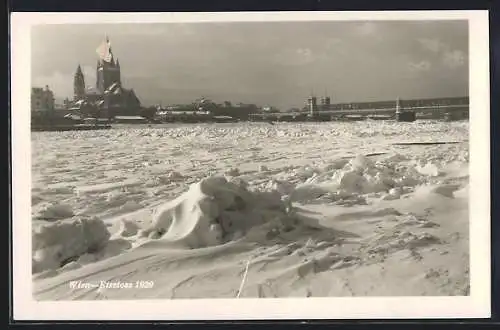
312,106
109,96
42,99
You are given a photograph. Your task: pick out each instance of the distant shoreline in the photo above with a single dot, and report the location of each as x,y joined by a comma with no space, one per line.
179,124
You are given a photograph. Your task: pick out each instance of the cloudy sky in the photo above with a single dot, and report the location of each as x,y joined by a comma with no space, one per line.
275,63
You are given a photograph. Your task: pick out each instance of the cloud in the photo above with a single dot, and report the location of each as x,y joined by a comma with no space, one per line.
454,59
433,45
419,66
276,63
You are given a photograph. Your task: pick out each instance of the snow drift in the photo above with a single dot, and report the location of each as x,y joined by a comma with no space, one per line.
215,211
58,243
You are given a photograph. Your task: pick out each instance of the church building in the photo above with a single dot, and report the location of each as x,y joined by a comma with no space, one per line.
109,96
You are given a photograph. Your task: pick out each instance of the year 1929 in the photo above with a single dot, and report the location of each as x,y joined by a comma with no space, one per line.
144,284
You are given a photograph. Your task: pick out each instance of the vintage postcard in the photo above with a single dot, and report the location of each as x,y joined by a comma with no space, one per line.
210,166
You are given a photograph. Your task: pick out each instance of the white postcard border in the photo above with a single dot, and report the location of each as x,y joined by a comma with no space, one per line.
475,305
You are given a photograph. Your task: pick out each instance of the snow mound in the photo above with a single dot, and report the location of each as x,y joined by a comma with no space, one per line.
107,187
233,172
128,228
58,243
173,176
52,211
212,212
446,190
428,169
360,176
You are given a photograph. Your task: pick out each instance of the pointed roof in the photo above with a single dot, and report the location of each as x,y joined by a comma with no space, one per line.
109,49
79,70
104,51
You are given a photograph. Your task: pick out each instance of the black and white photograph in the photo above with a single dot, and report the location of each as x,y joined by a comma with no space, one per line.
270,159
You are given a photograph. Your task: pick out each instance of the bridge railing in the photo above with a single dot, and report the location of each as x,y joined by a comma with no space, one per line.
430,108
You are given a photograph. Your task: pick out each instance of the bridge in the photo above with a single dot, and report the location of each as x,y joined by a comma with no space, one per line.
391,111
458,111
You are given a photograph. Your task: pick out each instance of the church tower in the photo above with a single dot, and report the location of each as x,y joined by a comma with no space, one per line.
79,84
108,70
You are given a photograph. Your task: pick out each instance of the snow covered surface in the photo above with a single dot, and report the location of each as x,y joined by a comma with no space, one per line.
56,244
330,209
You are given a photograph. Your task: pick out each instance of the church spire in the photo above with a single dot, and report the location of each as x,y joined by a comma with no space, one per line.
104,51
79,84
110,51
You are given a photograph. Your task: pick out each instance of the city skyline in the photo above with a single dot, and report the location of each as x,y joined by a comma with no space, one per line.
267,63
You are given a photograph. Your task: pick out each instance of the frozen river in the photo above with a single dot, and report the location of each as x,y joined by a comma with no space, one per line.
394,200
